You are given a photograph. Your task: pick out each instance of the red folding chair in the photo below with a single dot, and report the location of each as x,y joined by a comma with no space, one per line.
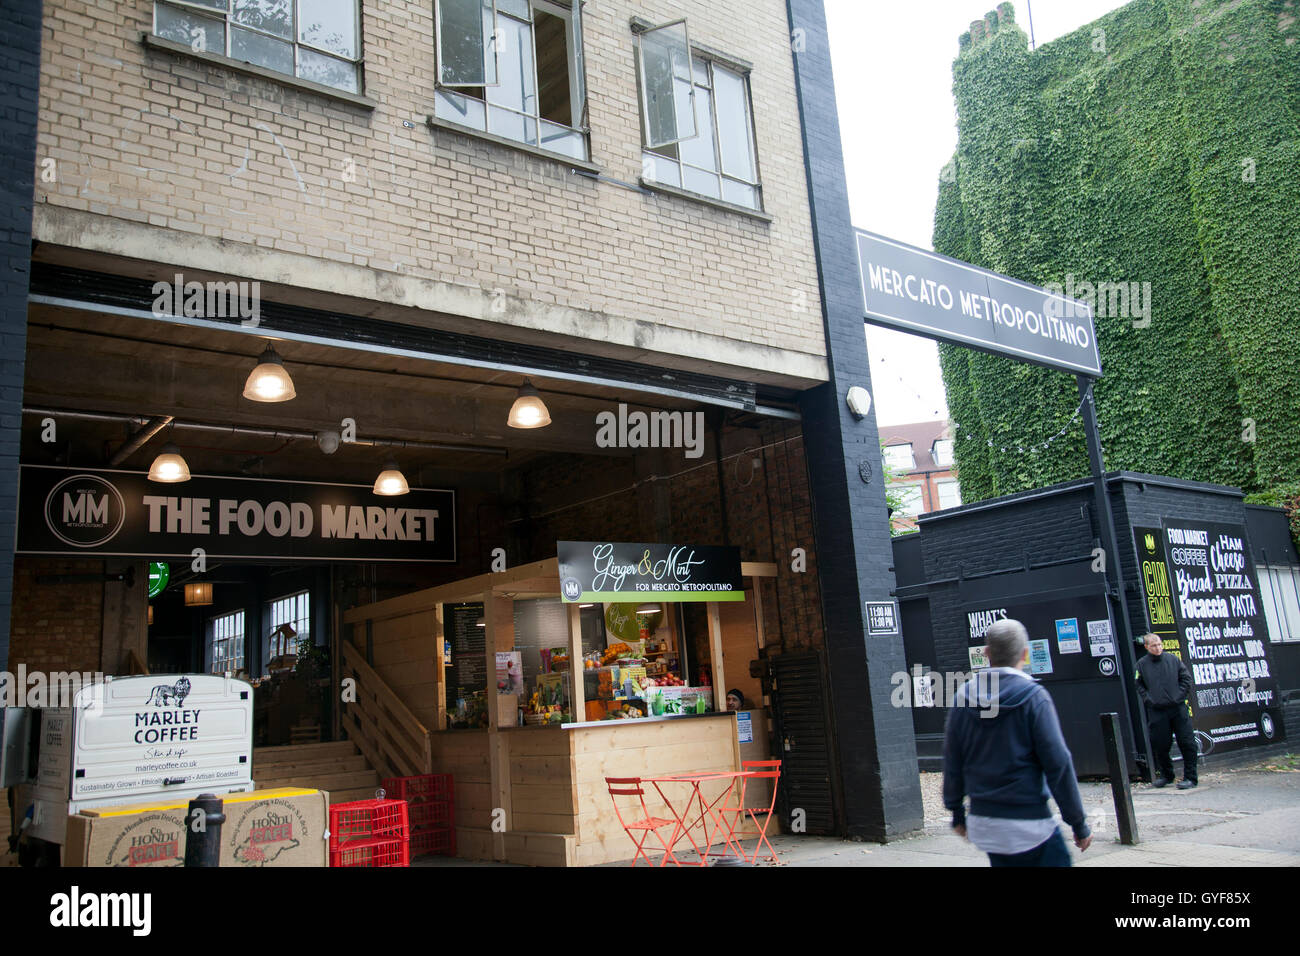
755,770
631,787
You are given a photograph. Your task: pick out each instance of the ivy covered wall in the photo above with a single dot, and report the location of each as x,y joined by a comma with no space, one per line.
1161,145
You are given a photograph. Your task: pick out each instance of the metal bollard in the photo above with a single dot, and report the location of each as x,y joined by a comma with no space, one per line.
203,831
1119,786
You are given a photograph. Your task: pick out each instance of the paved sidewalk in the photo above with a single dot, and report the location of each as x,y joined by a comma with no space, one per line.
1242,818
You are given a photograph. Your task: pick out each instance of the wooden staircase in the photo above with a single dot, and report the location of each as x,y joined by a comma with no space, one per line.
334,767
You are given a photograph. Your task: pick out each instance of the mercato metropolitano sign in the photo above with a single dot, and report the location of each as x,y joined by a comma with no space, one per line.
920,292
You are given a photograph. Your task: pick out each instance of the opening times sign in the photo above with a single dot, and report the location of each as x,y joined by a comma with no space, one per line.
77,511
1202,598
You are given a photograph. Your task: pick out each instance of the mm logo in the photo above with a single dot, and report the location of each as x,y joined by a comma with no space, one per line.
84,511
1150,542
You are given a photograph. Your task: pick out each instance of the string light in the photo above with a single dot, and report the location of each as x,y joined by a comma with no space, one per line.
1040,446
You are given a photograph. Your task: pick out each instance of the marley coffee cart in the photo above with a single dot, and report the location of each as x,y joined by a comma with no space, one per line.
130,739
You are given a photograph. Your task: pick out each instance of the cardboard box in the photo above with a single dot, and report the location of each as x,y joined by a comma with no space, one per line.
280,827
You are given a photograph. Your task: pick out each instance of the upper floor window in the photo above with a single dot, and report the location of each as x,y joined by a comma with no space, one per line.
289,621
513,68
899,457
697,124
949,494
942,452
913,500
316,40
1279,589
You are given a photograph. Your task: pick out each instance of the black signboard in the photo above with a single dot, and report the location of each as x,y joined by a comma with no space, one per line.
468,673
77,511
620,571
1202,597
928,294
1071,636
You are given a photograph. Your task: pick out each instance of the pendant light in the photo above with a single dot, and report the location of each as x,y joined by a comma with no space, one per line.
528,411
169,466
391,481
198,594
269,382
151,615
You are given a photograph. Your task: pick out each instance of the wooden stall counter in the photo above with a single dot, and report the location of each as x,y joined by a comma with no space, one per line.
544,787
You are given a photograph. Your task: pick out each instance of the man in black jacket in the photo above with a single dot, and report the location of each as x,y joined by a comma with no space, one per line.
1164,683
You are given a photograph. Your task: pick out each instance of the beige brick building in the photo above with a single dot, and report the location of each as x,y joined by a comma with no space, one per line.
155,157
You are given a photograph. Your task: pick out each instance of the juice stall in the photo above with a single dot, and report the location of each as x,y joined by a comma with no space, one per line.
532,685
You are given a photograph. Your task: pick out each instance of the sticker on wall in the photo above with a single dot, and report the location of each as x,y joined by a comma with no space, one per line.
1040,657
978,657
745,728
882,618
1107,666
1067,636
1101,639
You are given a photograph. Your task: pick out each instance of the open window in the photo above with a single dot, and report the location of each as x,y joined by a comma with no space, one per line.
697,122
513,68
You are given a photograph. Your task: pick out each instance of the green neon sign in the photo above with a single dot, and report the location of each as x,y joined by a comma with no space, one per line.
159,575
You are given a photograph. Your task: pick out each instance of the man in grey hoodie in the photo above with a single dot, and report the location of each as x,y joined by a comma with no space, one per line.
1003,746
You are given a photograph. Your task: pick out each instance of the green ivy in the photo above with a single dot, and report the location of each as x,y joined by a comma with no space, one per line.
1161,145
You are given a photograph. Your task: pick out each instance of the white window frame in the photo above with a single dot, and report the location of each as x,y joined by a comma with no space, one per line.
903,488
292,609
232,640
1279,587
670,153
226,18
448,96
938,493
891,453
947,444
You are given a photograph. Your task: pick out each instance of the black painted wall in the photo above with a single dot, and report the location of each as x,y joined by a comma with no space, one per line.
20,64
1056,526
881,796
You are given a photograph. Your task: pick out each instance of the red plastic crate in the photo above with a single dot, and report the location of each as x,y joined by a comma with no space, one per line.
428,786
429,813
367,820
386,852
437,840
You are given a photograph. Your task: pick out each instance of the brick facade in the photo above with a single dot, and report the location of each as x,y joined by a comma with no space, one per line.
57,626
165,158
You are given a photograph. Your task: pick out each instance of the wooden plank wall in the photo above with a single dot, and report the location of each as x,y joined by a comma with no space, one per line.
406,657
642,749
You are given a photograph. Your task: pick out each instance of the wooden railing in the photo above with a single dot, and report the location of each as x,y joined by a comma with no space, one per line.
390,736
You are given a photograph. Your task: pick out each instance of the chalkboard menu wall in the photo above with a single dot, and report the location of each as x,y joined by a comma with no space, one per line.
539,623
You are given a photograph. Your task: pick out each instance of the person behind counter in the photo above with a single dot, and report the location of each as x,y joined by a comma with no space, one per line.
735,699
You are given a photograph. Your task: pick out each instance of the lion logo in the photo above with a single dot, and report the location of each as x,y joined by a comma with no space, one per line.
162,694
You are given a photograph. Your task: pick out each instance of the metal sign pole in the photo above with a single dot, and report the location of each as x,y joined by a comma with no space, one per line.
1110,547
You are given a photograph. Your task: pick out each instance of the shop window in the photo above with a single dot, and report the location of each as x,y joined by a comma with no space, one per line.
295,611
513,68
316,40
226,643
1279,589
949,494
899,458
697,123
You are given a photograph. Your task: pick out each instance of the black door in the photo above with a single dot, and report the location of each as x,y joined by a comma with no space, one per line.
807,796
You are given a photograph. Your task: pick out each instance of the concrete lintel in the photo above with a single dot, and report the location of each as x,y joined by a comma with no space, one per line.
102,243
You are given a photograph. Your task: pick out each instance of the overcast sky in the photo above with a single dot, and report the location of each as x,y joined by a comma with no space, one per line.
893,83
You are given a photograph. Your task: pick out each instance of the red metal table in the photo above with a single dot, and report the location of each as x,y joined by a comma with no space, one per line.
706,811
